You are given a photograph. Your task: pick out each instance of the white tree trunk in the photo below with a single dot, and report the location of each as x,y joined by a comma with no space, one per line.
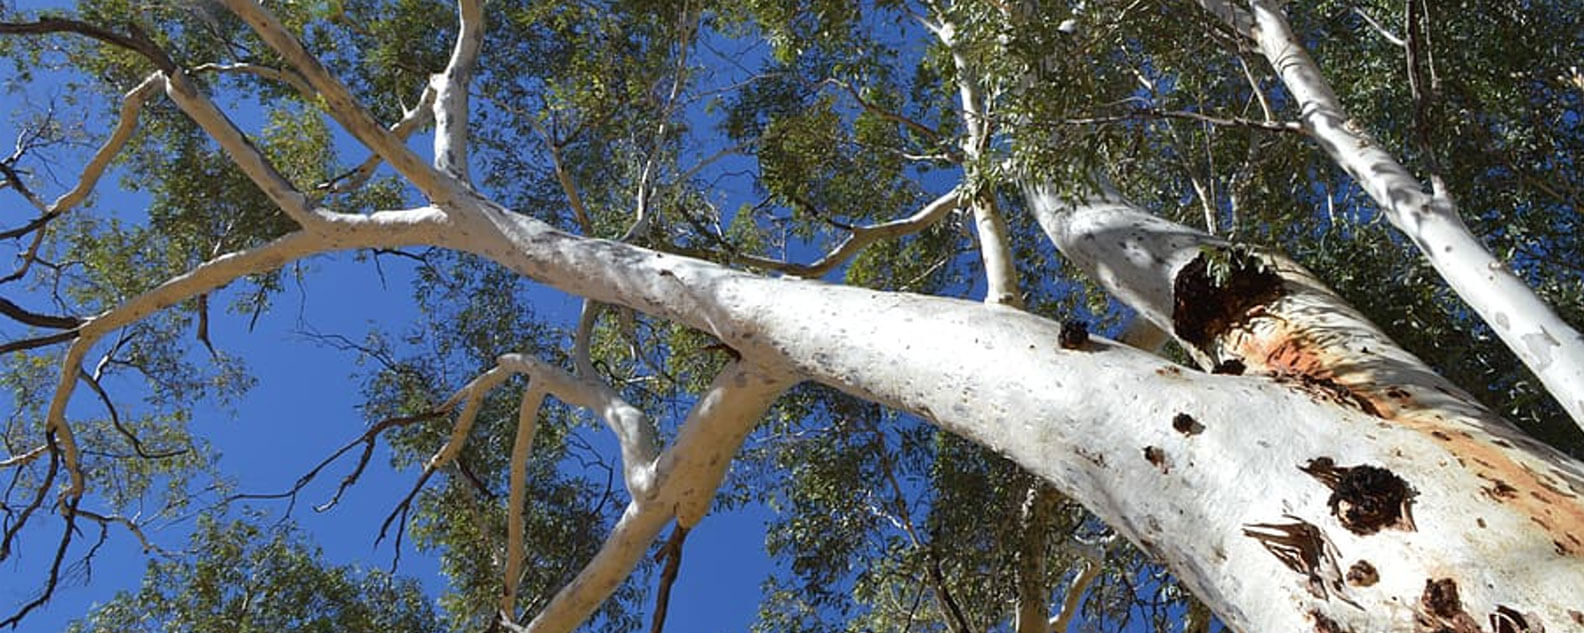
1337,489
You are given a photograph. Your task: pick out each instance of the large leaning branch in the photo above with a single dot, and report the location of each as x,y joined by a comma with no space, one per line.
1160,453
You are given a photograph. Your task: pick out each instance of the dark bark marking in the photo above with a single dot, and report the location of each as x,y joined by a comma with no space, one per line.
1329,389
1578,617
1509,620
1303,548
1169,370
1156,456
1074,334
1362,574
1219,290
1230,366
1324,624
1442,610
1500,490
1186,425
1364,498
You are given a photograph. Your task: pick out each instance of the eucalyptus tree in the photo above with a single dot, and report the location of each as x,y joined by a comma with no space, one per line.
773,212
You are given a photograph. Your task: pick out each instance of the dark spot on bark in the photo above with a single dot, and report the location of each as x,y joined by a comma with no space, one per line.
1398,393
1216,291
1230,366
1578,617
1186,425
1074,334
1169,370
1303,548
1479,521
1156,456
1328,389
1509,620
1500,490
1443,610
1441,436
1441,598
1364,498
1502,443
1324,624
1094,458
1362,574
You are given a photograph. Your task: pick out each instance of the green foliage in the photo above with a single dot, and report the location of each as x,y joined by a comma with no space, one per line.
823,115
237,576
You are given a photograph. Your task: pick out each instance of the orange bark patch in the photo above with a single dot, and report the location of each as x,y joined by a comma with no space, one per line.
1293,358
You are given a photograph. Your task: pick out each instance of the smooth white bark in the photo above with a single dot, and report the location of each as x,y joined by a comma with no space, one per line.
1545,343
1099,423
1310,340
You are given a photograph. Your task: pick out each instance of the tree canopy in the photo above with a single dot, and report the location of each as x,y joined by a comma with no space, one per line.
885,146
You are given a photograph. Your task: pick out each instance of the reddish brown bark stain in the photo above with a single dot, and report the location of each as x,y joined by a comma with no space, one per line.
1283,350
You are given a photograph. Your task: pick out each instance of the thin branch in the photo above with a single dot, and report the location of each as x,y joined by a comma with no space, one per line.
1287,127
115,421
38,341
671,554
367,439
23,459
28,317
411,120
516,532
1384,32
131,104
136,41
287,77
38,499
343,106
861,237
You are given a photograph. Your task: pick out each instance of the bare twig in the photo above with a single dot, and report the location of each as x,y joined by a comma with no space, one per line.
671,554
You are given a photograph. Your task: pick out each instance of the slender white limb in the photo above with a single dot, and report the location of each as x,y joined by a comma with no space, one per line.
451,88
126,122
1075,592
687,475
197,106
386,229
1545,343
527,423
862,237
633,431
412,119
22,459
343,106
995,250
472,397
273,74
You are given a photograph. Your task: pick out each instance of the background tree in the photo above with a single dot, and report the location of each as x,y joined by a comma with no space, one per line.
881,146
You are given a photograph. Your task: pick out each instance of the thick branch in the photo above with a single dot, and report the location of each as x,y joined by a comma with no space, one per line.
1546,344
451,88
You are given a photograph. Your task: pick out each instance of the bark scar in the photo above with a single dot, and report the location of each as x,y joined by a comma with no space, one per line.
1303,548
